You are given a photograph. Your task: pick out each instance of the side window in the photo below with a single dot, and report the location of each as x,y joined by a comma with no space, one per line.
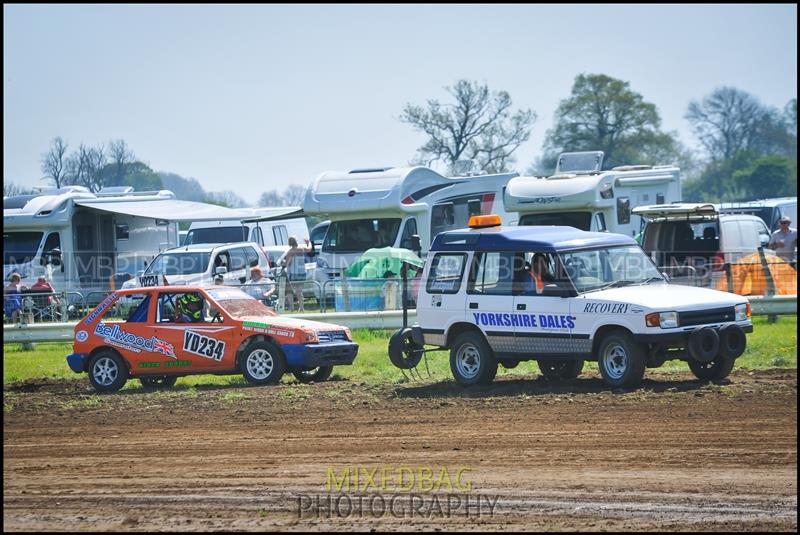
280,234
446,272
442,218
139,314
122,232
623,210
257,237
238,259
600,220
53,241
409,230
492,274
165,312
221,260
252,256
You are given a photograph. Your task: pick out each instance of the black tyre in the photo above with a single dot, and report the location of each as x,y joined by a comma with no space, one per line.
315,375
560,369
108,372
719,368
159,382
621,360
472,361
262,363
732,341
403,352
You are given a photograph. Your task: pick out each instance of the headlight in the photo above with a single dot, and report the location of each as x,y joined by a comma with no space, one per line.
665,320
742,311
321,263
310,337
348,334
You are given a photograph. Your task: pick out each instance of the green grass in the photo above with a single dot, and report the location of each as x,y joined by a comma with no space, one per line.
769,346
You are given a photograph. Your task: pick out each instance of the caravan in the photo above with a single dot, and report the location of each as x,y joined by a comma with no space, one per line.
385,207
580,195
79,240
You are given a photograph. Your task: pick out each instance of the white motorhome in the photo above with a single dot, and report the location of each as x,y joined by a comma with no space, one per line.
80,240
88,243
270,227
387,206
580,195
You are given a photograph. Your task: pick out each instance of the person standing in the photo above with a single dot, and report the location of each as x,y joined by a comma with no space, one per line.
295,264
784,241
12,293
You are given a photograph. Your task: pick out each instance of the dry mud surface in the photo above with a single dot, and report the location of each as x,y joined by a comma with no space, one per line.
519,455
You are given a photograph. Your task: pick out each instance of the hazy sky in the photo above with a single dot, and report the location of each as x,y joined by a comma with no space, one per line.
253,98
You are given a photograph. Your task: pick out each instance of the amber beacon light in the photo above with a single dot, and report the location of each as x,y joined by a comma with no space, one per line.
481,221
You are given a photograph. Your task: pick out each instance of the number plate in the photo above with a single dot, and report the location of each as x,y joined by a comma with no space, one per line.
148,280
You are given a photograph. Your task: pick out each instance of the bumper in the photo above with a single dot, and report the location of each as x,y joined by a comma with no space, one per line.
680,338
313,355
77,362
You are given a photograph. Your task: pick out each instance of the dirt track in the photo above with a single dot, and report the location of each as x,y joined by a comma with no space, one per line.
674,455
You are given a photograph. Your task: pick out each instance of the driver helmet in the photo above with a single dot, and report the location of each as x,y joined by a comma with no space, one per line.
192,305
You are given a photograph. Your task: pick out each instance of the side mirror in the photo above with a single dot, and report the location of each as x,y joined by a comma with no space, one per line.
554,290
763,239
666,277
221,270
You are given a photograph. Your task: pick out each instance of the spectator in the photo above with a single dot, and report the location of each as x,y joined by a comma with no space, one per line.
784,241
539,274
389,291
259,286
219,280
294,263
12,293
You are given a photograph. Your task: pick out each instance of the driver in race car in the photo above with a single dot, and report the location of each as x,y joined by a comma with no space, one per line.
189,308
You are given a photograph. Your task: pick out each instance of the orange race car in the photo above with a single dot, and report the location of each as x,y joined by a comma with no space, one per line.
183,330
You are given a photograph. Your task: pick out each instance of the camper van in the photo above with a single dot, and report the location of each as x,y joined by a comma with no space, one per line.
385,207
268,230
580,195
81,240
769,210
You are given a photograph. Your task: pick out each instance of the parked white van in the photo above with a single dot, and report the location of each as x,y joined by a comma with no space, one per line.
263,232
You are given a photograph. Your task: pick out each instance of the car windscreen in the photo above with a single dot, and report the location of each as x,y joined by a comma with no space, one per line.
239,304
358,235
595,269
579,220
179,263
20,247
217,235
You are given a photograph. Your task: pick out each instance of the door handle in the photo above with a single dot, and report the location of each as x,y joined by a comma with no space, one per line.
521,306
473,305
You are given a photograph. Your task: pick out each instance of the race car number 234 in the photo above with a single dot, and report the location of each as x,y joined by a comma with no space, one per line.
203,346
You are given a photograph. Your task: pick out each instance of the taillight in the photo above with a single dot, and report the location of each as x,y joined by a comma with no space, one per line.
718,263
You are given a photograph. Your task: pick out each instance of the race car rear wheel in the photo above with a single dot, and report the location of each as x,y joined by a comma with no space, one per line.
108,372
472,361
554,369
263,363
717,369
161,382
622,360
315,375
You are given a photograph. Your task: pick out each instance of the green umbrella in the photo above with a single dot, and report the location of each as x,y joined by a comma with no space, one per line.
375,262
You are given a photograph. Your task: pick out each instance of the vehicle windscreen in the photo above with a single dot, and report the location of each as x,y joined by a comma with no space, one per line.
579,220
358,235
179,263
217,235
597,269
239,304
20,247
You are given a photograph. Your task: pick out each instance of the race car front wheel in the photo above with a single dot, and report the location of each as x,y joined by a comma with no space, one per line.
107,371
263,364
315,375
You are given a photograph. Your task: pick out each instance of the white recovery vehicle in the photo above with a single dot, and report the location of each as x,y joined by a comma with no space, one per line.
580,195
597,297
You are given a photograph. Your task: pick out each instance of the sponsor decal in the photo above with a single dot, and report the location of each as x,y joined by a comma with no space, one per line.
543,321
82,336
542,200
205,346
113,335
606,308
100,308
175,363
280,332
149,364
256,324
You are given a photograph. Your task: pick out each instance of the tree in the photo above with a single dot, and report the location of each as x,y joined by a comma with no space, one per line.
85,167
226,198
121,156
479,126
53,161
729,121
270,198
603,113
768,176
10,189
187,189
294,195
